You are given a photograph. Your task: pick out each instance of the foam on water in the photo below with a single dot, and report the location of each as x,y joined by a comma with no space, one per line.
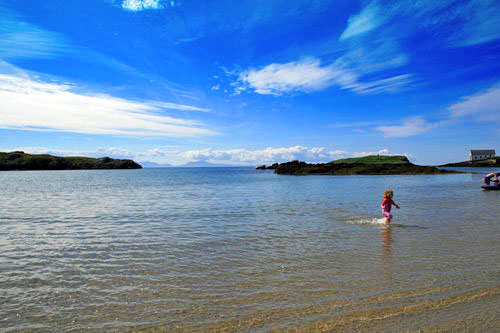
368,221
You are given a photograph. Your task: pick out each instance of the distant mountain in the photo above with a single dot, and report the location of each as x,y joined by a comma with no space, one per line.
204,164
147,164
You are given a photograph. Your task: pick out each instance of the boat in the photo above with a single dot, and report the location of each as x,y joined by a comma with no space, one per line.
491,187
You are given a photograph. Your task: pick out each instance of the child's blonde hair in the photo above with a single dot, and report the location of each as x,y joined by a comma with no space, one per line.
388,193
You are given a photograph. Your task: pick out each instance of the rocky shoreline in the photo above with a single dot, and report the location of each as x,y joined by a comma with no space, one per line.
19,160
487,163
368,165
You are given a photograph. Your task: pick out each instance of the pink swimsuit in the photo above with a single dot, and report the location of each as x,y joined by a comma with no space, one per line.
387,203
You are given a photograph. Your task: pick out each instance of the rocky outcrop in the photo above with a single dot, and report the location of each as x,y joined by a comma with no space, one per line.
368,165
264,167
488,163
18,160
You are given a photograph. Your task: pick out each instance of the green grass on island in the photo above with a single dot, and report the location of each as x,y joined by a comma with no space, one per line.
19,160
375,159
367,165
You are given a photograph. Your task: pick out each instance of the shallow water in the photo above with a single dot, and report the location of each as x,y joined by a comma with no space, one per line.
241,250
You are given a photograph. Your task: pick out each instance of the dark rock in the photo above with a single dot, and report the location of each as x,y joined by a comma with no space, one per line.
264,167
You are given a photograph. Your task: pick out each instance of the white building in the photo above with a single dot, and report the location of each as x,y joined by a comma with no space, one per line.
481,154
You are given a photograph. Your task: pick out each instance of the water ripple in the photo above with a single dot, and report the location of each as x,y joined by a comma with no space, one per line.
179,250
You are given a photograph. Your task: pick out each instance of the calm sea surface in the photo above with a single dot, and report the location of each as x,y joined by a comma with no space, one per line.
241,250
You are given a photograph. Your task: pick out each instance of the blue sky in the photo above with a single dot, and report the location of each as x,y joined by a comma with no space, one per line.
250,82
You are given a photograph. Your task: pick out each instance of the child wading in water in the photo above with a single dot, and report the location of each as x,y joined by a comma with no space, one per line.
386,205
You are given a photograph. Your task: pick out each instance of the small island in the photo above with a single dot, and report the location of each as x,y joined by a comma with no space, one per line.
486,163
19,160
367,165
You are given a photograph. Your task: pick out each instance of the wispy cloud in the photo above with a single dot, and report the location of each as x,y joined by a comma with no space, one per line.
457,23
309,75
469,23
138,5
410,127
305,75
391,84
372,57
21,39
26,104
354,124
174,106
483,106
368,19
365,68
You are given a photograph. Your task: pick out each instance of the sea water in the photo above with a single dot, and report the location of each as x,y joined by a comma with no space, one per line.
244,250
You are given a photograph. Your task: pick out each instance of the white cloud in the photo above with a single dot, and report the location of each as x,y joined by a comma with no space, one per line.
18,39
26,104
305,75
384,151
410,127
114,152
45,150
372,57
362,68
272,155
368,19
458,23
268,154
391,84
309,75
484,106
475,22
137,5
21,40
175,106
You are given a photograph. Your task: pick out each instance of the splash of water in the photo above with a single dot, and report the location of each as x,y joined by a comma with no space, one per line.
368,221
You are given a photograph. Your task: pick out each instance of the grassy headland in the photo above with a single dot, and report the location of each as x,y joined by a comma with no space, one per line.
375,159
19,160
367,165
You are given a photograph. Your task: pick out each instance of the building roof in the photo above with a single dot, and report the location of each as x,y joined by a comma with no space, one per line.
483,152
